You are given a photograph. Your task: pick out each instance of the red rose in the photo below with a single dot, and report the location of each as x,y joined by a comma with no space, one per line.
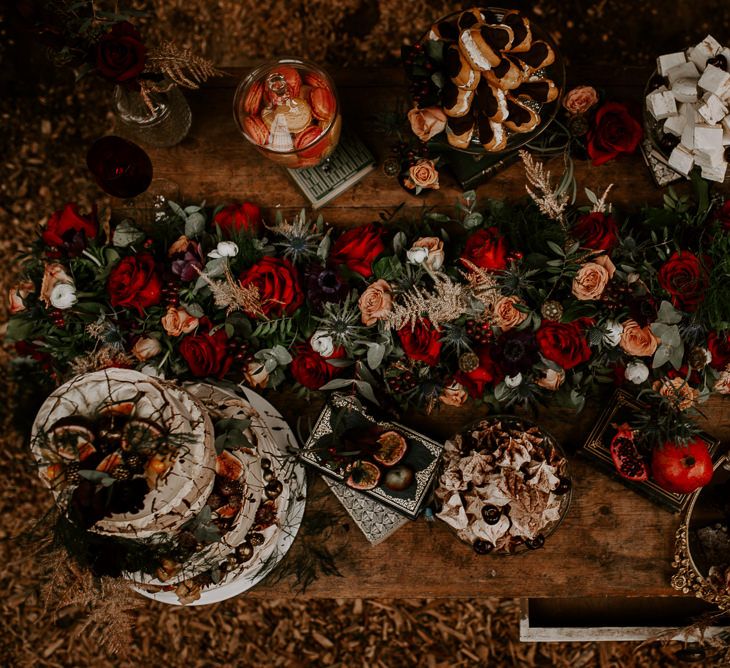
487,249
68,229
719,347
421,342
685,279
563,343
614,131
133,283
120,54
311,369
487,373
234,218
722,215
278,284
596,231
357,248
207,354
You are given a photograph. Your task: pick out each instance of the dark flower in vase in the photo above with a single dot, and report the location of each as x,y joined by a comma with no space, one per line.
324,286
516,351
187,259
120,54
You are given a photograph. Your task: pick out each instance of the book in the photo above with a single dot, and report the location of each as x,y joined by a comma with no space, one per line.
347,165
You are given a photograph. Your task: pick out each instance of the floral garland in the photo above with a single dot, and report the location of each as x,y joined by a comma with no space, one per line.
510,304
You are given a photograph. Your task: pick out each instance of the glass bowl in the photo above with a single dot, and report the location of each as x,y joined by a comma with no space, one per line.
289,111
547,111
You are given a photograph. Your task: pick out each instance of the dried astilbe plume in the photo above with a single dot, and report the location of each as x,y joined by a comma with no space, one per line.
445,303
483,286
102,358
548,200
600,205
233,296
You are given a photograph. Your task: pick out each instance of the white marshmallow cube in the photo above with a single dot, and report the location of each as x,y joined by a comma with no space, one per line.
681,160
712,110
661,104
715,173
685,90
688,135
707,138
668,61
726,137
675,124
715,81
705,50
683,71
711,158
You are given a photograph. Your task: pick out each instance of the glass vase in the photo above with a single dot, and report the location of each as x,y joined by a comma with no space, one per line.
165,122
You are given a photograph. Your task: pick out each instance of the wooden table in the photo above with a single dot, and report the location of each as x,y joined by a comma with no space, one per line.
613,542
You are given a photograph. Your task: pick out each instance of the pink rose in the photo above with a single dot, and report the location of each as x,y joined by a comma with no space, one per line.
552,380
17,296
424,174
506,316
376,302
592,278
427,122
177,321
454,394
146,348
580,99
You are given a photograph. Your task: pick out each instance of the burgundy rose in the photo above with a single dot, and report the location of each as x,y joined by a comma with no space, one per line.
614,131
719,347
488,373
596,231
237,218
421,342
187,259
133,283
312,370
563,343
486,248
685,279
278,283
357,248
207,354
120,54
68,230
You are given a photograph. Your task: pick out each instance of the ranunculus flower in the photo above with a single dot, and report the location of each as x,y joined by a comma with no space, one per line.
54,274
177,321
312,370
207,354
133,283
434,255
638,341
454,394
146,348
63,296
17,296
615,131
563,343
486,248
357,248
580,99
322,343
375,302
597,231
421,342
120,54
234,218
685,279
224,249
488,373
323,286
592,278
678,391
636,372
278,282
424,174
516,351
719,347
68,230
427,123
255,374
552,380
506,316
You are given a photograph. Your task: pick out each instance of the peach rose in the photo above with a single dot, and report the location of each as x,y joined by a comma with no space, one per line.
552,380
580,99
435,248
178,246
591,280
722,385
376,302
638,341
454,395
178,321
255,374
424,174
54,274
506,315
678,391
17,296
146,348
427,122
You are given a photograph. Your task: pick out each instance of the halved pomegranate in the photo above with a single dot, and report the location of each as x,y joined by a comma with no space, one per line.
364,475
392,448
626,456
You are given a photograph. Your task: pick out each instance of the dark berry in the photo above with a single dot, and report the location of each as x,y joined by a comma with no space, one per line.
482,546
657,81
255,538
122,472
668,142
244,551
563,486
273,489
134,462
265,463
491,514
72,473
535,543
718,61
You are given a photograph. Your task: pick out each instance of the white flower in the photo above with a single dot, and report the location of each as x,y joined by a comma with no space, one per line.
612,333
417,255
637,372
322,343
224,249
63,296
513,381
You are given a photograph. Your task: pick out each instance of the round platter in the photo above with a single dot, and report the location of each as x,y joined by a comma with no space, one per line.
279,538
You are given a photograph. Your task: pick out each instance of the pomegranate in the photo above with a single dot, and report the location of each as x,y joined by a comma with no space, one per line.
682,468
626,456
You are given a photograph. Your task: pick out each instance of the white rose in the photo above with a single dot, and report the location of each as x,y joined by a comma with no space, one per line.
224,249
322,343
417,255
612,333
637,372
513,381
63,296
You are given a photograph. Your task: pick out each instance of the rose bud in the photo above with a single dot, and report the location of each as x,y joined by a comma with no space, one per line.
425,123
256,375
177,321
252,101
17,296
146,348
636,372
256,130
323,103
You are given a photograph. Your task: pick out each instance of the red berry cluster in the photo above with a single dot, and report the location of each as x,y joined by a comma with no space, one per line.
240,350
171,292
479,332
56,316
403,382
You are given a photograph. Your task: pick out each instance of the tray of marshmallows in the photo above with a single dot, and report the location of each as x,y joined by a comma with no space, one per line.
688,109
495,82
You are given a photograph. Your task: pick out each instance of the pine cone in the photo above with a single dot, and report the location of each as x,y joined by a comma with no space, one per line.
552,310
72,473
122,472
468,362
134,462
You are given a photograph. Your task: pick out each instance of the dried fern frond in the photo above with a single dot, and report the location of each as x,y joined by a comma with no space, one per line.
179,65
601,206
103,358
233,296
544,195
483,286
445,303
